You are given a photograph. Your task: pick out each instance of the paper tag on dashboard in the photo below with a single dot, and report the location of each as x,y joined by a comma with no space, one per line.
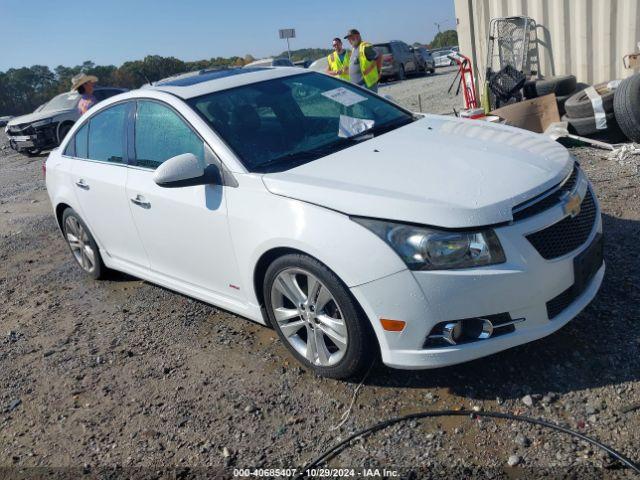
344,96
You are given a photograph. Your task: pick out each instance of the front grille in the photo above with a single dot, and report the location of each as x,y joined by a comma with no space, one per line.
548,200
568,234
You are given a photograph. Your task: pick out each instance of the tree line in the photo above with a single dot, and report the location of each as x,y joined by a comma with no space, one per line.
24,89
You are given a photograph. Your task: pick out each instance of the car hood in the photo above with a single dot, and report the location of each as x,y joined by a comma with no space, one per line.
35,116
438,171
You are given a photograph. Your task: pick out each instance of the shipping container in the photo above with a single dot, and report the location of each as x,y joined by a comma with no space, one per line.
586,38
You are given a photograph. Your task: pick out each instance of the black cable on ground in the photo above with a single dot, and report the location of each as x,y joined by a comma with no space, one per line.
463,413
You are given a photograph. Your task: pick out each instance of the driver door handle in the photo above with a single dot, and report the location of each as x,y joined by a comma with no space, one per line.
82,184
140,201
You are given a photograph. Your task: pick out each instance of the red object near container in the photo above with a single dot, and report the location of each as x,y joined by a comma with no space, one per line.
466,80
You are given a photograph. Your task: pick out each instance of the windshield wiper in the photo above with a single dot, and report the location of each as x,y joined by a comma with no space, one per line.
301,157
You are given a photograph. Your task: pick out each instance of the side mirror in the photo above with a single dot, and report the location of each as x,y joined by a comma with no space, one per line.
184,170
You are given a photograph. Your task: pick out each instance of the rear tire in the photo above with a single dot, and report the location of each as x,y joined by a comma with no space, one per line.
83,246
306,301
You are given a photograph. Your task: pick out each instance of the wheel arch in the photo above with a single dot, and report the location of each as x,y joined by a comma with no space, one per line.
260,271
60,208
70,123
270,256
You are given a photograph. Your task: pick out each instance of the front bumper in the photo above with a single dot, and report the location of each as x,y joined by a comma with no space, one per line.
34,139
520,287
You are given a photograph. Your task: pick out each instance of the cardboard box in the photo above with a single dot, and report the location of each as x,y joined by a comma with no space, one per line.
535,114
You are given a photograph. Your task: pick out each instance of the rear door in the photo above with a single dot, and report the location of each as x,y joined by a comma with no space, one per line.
184,230
98,174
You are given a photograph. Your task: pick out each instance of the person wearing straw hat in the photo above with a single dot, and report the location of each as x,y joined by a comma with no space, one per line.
83,84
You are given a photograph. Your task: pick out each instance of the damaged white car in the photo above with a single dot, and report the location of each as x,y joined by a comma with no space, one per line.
353,227
49,123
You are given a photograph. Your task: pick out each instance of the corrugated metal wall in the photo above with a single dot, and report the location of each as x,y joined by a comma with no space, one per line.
586,38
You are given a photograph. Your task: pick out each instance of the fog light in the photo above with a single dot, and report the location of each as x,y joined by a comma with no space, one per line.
452,332
457,332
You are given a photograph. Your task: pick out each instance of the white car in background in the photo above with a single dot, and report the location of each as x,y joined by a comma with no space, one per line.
270,62
350,225
442,59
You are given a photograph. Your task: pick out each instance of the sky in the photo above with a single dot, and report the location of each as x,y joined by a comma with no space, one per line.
110,32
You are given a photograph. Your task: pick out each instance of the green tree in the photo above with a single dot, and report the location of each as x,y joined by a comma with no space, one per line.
448,38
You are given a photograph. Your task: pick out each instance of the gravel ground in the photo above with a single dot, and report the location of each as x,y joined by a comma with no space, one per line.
428,91
124,379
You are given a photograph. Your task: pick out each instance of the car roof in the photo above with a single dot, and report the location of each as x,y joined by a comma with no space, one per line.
194,84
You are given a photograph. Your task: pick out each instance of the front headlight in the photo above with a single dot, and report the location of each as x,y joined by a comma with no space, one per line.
424,248
42,123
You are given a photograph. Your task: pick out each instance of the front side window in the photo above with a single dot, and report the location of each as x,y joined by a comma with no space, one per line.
107,134
162,134
278,124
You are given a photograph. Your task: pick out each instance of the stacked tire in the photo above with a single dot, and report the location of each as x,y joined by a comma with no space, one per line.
582,118
563,86
626,106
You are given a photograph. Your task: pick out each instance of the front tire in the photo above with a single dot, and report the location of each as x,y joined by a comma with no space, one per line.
82,245
32,152
317,318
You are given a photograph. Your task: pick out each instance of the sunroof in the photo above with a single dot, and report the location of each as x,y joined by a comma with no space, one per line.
207,75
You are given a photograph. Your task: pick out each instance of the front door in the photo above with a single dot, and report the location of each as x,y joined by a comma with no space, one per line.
184,230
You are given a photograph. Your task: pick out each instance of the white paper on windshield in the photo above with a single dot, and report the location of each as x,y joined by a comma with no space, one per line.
343,96
350,126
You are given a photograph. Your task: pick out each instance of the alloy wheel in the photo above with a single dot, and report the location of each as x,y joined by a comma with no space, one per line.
309,317
80,245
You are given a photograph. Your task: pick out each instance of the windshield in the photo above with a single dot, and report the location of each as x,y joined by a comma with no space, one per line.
64,101
383,48
279,124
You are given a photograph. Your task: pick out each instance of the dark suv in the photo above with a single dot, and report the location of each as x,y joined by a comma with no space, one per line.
397,59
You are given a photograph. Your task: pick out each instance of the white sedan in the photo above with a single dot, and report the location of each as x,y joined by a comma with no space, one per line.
351,226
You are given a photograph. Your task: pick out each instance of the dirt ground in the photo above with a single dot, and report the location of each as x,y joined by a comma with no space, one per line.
124,379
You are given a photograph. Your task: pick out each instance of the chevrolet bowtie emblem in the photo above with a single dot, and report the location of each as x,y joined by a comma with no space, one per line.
572,205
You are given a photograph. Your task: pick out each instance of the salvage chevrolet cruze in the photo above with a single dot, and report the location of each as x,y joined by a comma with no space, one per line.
351,226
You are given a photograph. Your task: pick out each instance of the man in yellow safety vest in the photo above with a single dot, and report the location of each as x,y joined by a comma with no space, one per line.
365,62
338,61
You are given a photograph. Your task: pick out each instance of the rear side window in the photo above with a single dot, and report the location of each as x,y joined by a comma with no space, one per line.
107,134
161,134
81,140
77,146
